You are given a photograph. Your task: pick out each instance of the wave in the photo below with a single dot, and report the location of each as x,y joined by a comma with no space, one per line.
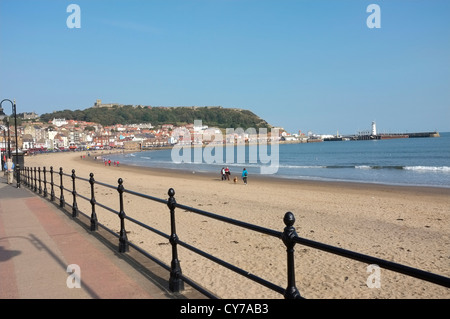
438,169
379,167
129,155
143,160
303,166
445,169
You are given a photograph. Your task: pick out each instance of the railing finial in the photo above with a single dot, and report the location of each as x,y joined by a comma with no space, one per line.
289,219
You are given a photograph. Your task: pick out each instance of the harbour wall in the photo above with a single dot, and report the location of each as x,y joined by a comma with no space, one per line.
385,136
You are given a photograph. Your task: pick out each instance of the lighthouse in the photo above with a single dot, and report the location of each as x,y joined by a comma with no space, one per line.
374,128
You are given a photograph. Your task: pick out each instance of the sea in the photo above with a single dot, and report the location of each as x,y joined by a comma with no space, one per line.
403,161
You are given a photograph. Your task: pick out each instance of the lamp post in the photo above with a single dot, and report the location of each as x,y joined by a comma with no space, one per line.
4,145
9,138
17,166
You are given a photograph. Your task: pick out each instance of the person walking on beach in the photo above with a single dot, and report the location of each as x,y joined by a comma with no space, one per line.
244,176
227,173
222,172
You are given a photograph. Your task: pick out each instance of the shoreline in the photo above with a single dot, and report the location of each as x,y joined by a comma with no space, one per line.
161,171
408,225
285,175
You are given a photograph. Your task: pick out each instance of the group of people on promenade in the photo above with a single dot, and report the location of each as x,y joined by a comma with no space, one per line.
226,173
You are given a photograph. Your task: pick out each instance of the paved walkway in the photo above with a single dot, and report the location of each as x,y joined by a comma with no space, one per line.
38,242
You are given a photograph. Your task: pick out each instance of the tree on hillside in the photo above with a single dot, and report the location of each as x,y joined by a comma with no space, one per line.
211,116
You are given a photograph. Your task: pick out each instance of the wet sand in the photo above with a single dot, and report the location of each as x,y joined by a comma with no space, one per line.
406,225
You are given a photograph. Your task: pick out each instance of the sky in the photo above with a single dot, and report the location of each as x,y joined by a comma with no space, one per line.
309,65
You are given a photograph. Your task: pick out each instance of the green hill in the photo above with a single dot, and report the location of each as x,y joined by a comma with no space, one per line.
212,116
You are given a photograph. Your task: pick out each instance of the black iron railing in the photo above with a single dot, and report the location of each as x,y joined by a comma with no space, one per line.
31,177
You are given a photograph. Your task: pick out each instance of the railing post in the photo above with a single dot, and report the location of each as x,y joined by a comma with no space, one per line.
123,240
61,187
22,174
94,221
74,193
35,180
289,233
52,191
176,284
45,182
25,173
28,177
40,186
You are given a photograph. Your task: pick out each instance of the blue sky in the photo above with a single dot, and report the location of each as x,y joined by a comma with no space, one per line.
300,64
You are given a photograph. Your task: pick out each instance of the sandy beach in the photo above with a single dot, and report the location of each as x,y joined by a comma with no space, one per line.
407,225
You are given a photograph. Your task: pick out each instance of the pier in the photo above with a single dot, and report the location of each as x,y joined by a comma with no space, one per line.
373,135
385,136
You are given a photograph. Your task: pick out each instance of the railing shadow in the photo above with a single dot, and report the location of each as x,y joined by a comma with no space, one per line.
39,245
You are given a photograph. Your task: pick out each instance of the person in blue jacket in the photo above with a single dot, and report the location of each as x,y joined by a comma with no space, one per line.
244,175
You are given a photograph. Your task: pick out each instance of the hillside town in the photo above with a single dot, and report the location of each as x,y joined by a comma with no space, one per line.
70,135
60,134
64,135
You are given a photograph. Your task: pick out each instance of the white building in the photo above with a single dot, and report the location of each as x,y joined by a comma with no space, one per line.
59,122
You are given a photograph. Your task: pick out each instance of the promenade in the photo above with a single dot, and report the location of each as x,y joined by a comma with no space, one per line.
38,242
